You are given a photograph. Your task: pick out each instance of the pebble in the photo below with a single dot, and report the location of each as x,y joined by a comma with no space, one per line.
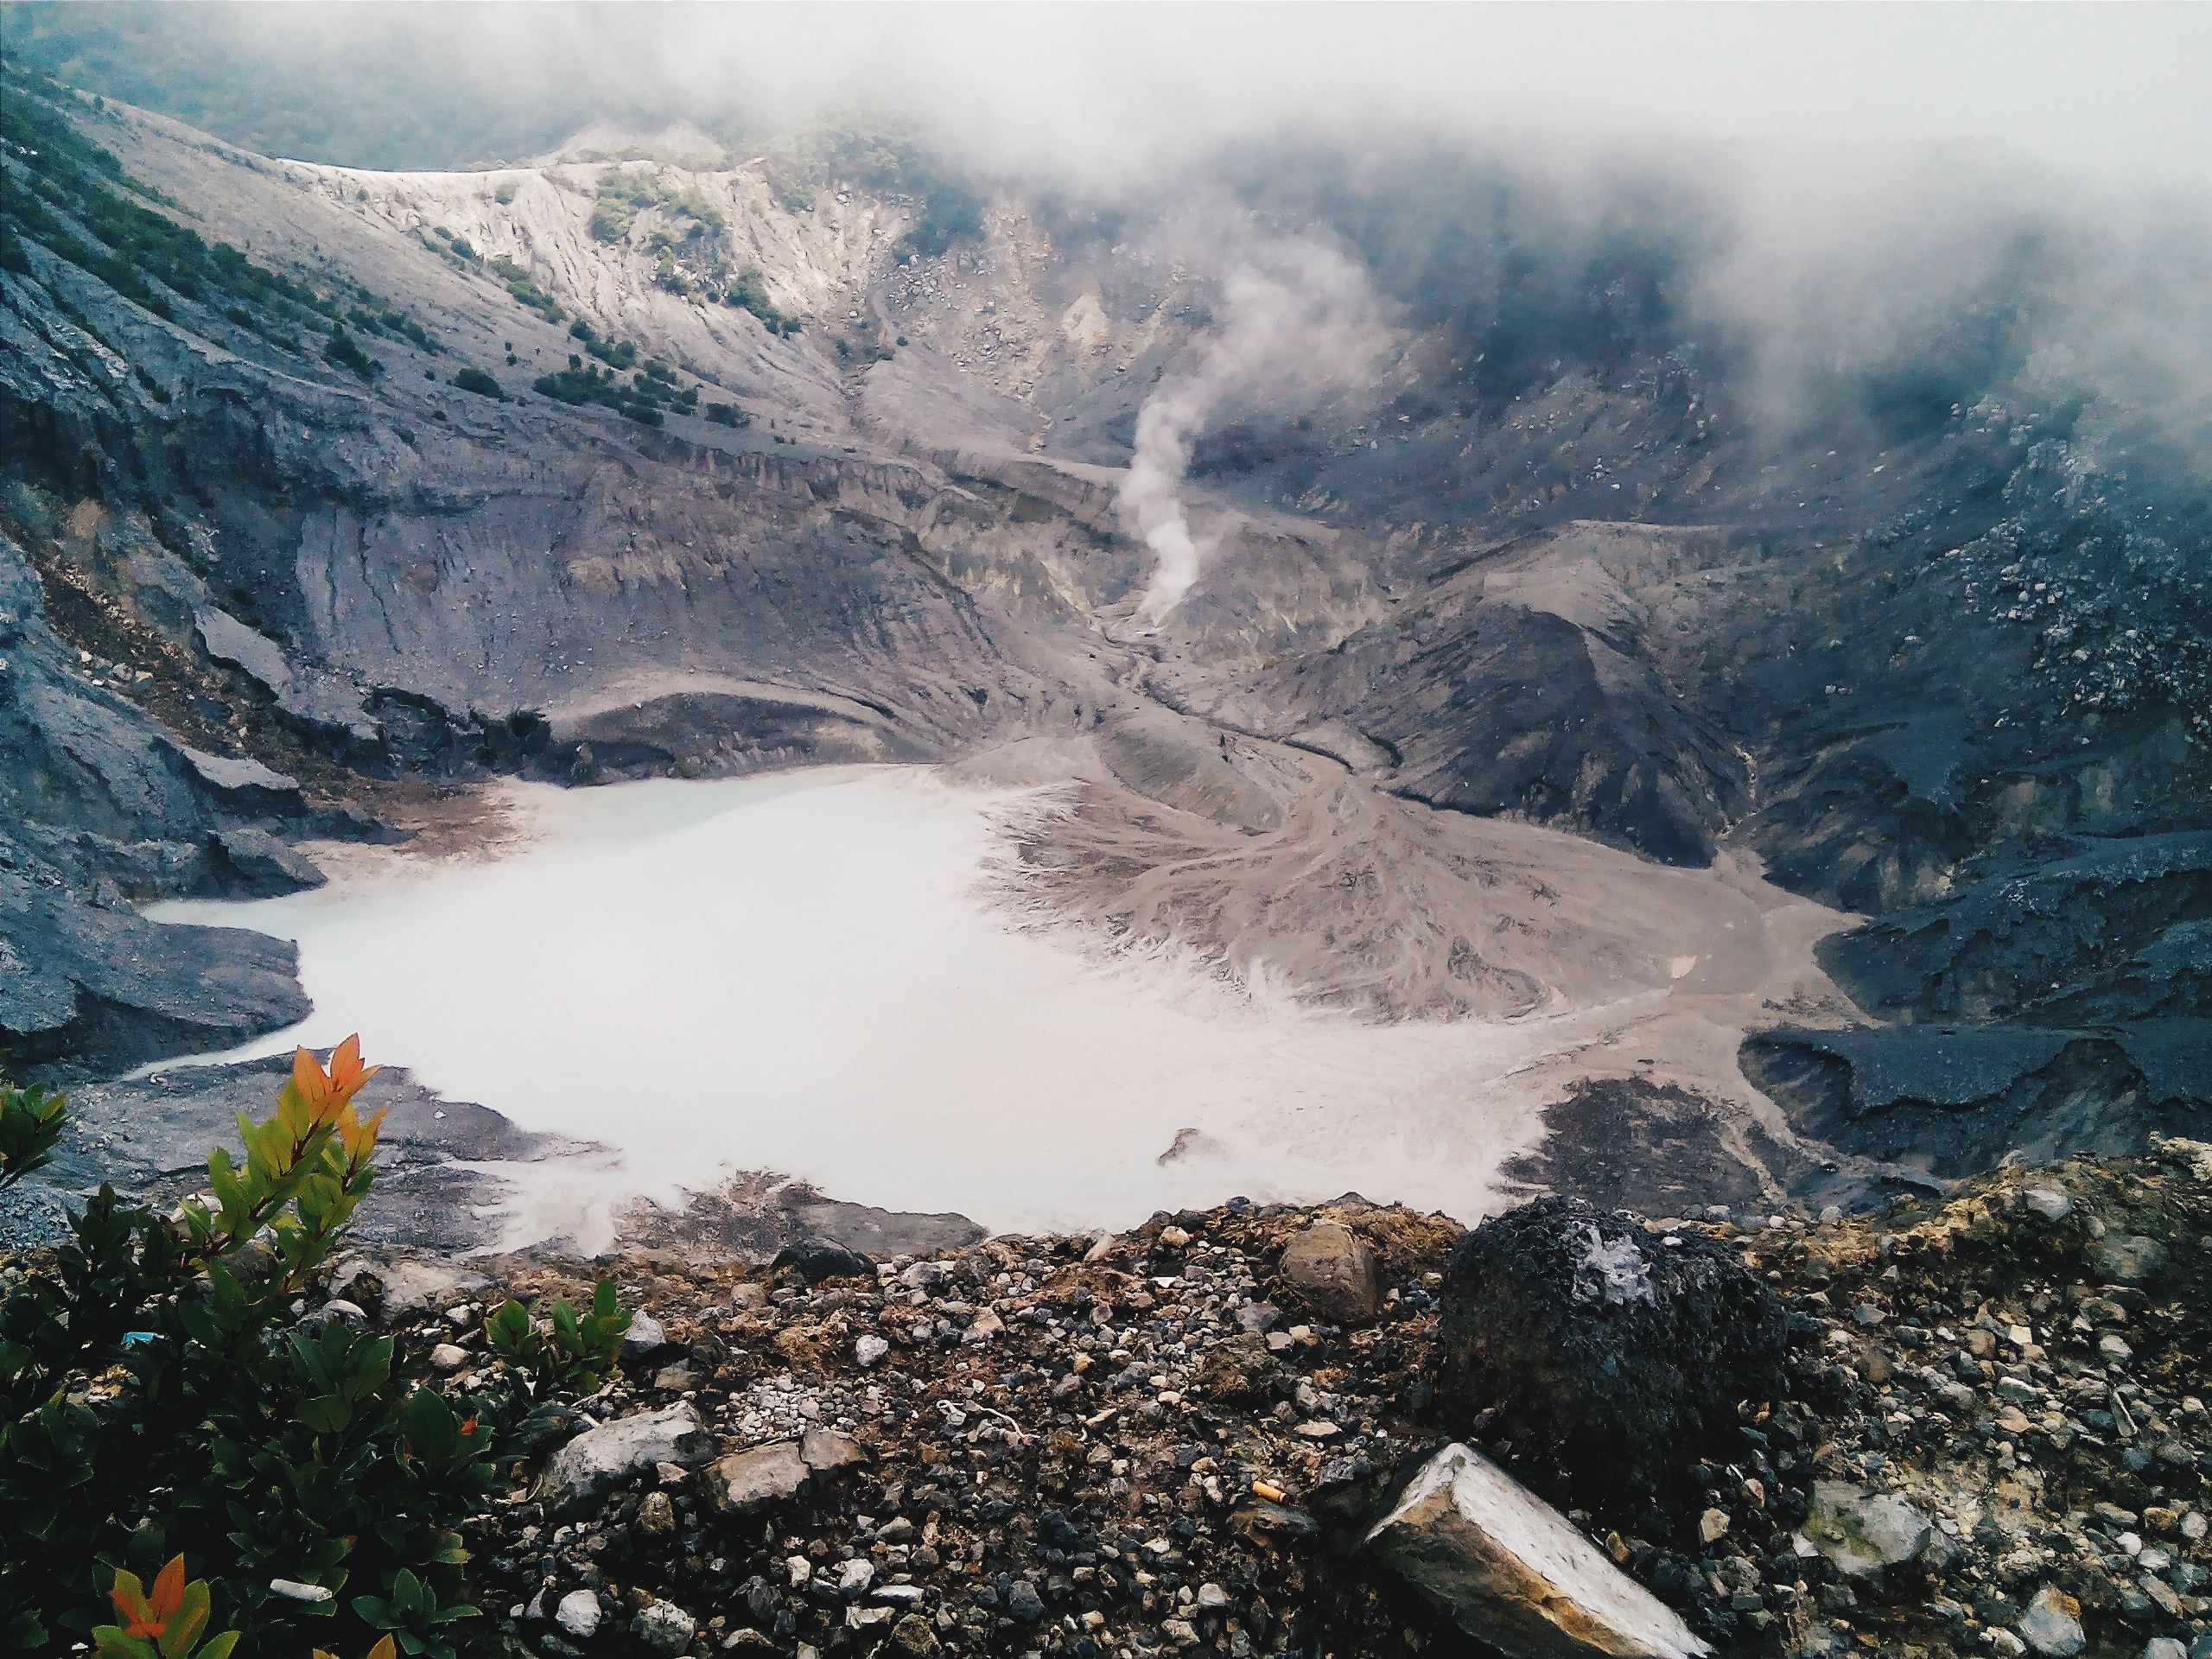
578,1614
1096,1469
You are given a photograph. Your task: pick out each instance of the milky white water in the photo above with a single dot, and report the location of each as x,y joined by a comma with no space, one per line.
797,973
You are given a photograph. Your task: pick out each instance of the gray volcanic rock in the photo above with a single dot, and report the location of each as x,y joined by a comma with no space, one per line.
100,807
1514,1574
1524,685
1332,1270
1941,640
1614,1353
584,1468
102,989
1954,1099
2111,930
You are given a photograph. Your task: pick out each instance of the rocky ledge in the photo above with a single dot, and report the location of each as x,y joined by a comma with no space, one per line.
1968,1425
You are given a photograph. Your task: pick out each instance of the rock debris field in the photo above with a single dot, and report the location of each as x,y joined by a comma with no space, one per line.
1980,1428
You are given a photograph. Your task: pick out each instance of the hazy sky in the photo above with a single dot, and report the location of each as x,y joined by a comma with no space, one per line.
2094,83
1098,86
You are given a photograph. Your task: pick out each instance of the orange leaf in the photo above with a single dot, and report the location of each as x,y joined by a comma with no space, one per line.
130,1599
360,1139
308,1078
326,1094
167,1594
382,1651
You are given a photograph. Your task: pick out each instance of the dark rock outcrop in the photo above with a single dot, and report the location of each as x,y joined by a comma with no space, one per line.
1614,1353
1954,1099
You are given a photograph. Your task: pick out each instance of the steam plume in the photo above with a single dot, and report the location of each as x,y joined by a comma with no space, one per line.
1298,318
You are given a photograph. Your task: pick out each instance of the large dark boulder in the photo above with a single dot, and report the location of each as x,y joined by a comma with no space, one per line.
1620,1353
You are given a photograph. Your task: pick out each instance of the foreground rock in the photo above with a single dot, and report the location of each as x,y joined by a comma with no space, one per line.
1089,1449
1514,1574
1083,1447
598,1460
1614,1351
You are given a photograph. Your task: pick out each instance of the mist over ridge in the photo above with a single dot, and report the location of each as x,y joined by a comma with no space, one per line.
1409,542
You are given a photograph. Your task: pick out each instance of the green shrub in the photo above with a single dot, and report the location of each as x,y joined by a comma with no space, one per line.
621,353
524,288
271,1451
345,355
571,1355
883,152
748,294
477,381
727,415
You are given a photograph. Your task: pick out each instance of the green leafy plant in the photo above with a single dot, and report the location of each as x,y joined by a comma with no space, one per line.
411,1613
343,351
150,1388
72,197
481,384
523,287
747,293
569,1353
31,1122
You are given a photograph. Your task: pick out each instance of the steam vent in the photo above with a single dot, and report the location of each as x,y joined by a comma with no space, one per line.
1104,833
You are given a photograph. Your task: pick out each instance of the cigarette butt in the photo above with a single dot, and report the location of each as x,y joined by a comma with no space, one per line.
1273,1494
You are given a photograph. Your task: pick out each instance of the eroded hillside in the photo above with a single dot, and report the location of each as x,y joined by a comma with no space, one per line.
607,470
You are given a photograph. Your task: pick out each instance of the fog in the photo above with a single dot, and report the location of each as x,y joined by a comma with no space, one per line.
1099,90
796,974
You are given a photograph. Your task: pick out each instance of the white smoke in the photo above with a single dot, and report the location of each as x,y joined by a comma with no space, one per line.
1298,318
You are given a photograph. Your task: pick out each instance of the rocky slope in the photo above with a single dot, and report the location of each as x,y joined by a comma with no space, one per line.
1931,649
1978,1425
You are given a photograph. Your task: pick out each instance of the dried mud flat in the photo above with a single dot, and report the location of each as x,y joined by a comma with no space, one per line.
1992,1439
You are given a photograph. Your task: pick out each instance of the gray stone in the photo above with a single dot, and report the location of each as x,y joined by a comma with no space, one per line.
826,1452
262,866
411,1282
1863,1532
676,1378
1024,1603
1333,1271
2164,1647
2052,1625
596,1460
665,1628
644,1336
855,1577
870,1348
1255,1318
1512,1571
449,1356
748,1482
578,1614
2051,1202
2126,1258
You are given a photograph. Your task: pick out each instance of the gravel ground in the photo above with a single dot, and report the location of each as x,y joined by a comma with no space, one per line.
1994,1438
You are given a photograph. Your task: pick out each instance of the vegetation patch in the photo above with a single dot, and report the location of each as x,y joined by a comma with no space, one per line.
525,288
477,381
160,1390
644,397
343,351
